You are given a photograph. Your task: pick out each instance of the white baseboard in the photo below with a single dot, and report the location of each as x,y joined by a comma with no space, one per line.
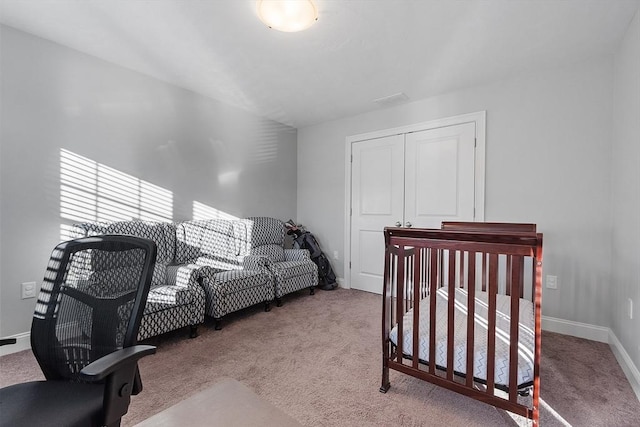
23,342
575,329
625,362
341,283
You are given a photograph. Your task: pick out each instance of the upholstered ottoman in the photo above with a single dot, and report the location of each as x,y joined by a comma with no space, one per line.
233,290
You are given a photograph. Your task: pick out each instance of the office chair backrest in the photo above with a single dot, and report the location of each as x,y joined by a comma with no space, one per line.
91,301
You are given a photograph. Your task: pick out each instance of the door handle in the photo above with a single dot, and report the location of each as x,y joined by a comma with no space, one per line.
398,224
407,224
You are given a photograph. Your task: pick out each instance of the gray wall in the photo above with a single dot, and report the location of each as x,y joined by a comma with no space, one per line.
625,281
548,154
201,150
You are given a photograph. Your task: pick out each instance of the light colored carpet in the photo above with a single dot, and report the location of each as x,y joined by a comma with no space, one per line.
318,359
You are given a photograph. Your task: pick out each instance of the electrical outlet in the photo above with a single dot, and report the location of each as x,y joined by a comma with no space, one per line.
335,254
28,290
630,308
552,282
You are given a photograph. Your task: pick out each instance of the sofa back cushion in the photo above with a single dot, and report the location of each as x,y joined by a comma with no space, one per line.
212,238
263,230
161,233
275,253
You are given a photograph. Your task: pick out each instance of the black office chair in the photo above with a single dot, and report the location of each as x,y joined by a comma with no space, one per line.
83,335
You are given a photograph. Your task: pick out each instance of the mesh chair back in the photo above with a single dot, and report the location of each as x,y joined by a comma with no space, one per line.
91,301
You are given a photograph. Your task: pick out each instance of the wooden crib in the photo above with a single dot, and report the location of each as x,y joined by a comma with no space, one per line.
448,299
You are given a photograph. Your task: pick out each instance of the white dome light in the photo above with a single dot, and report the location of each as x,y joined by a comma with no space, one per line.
287,15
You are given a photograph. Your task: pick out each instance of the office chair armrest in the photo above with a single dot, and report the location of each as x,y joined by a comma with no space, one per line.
5,341
112,362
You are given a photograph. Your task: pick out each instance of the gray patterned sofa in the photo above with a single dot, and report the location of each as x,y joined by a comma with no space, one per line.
213,267
231,279
176,299
292,269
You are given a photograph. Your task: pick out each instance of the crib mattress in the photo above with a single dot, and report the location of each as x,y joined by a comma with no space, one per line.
503,303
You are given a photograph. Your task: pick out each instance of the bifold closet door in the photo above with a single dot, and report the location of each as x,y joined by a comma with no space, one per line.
377,201
418,179
439,176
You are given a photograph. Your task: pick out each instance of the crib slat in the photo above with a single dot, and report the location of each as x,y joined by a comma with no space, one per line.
484,272
521,276
491,329
433,285
416,308
451,291
516,278
471,310
400,285
507,290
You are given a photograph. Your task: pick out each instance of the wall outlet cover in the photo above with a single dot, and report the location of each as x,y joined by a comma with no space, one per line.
28,290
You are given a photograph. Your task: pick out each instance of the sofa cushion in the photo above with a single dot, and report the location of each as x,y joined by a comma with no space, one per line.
205,238
289,269
275,253
265,231
156,231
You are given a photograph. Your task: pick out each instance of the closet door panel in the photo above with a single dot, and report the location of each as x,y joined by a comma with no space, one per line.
377,181
440,176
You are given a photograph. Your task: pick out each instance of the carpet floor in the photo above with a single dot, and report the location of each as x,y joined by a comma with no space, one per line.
318,359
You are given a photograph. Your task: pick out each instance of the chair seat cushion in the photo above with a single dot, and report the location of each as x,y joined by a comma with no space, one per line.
274,252
288,269
237,280
52,403
166,296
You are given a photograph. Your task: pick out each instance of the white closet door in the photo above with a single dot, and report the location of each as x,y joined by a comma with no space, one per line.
377,180
439,176
418,179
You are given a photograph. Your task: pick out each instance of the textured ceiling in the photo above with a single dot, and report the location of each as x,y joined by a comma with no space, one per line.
358,51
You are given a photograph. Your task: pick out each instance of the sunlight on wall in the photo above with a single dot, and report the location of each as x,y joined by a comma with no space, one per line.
91,191
202,211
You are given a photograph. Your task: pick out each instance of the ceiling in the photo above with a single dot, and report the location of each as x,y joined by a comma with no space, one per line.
358,51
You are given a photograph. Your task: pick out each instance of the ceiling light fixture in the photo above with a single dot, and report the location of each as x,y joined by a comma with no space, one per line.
288,15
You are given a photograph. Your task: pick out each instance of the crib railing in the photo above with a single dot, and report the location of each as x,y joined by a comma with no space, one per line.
492,258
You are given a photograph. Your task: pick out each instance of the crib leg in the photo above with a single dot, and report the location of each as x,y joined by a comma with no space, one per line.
385,379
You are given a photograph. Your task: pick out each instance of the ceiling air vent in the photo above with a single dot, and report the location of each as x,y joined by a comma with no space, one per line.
395,99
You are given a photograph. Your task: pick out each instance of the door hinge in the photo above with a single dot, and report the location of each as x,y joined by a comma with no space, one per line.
350,211
475,142
352,158
349,264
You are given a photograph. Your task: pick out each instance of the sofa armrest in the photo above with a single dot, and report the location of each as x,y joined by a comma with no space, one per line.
296,255
255,262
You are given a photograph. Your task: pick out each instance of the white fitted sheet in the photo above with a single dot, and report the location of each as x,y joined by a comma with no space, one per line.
525,335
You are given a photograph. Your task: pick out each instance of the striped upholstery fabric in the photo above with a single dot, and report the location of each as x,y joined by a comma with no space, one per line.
230,281
176,298
292,269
